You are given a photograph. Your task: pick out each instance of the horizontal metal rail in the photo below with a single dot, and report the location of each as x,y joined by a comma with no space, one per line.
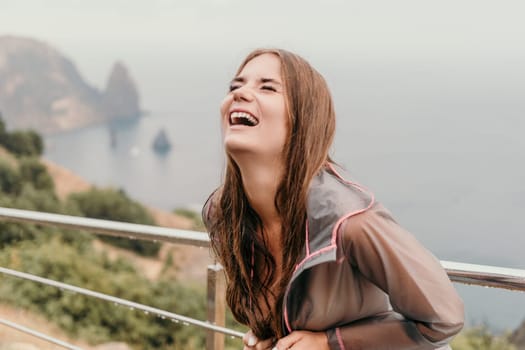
130,304
38,334
107,227
483,275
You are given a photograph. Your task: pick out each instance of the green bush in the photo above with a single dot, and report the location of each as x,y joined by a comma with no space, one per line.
21,142
10,179
68,256
14,232
96,320
24,143
117,206
31,199
195,217
31,170
3,130
480,338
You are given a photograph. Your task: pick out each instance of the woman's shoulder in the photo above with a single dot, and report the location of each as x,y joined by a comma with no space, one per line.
334,193
375,216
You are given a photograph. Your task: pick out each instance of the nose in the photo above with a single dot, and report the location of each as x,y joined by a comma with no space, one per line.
242,93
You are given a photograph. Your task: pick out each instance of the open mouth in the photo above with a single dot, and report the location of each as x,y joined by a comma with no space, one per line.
243,118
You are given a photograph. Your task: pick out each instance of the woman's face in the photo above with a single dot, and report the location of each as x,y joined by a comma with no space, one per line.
254,116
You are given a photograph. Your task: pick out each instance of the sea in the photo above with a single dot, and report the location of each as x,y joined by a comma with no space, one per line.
439,143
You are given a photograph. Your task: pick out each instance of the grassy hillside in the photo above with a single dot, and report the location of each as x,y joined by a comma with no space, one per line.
81,259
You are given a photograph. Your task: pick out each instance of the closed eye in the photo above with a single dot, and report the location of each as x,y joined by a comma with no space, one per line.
268,87
234,87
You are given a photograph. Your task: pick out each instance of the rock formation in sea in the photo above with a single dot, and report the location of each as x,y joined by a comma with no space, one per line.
42,89
161,143
121,98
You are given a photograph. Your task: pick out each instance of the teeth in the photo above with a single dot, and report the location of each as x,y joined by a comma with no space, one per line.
235,118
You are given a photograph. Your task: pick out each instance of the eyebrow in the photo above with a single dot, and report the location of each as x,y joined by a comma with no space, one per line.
262,80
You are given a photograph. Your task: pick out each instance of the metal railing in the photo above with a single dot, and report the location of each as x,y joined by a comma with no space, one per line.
483,275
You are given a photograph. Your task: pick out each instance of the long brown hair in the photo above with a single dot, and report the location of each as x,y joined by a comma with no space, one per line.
236,227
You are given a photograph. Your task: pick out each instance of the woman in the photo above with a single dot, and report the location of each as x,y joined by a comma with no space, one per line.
312,260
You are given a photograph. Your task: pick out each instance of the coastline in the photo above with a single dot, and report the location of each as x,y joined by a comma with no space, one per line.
67,182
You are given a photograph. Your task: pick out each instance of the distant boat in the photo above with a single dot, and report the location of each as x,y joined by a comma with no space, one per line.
161,143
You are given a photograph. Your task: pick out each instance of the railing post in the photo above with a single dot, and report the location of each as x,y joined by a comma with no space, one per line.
216,305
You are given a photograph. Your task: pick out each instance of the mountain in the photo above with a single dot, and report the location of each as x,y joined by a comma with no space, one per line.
42,89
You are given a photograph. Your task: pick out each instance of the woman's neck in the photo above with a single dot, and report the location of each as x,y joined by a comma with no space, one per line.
261,179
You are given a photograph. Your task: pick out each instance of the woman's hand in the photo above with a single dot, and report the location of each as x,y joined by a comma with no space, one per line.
303,340
252,343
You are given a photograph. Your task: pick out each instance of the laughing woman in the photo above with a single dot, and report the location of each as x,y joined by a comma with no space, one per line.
312,260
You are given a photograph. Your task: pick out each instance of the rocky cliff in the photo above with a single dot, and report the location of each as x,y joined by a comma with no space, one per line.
43,90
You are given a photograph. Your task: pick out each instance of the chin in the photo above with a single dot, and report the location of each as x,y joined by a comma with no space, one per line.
235,146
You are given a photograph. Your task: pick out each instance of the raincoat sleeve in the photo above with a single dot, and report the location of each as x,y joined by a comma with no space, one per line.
427,310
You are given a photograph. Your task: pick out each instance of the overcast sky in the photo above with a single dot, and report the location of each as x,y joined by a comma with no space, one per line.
469,26
478,42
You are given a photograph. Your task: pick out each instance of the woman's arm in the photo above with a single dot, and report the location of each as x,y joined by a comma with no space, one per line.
431,311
